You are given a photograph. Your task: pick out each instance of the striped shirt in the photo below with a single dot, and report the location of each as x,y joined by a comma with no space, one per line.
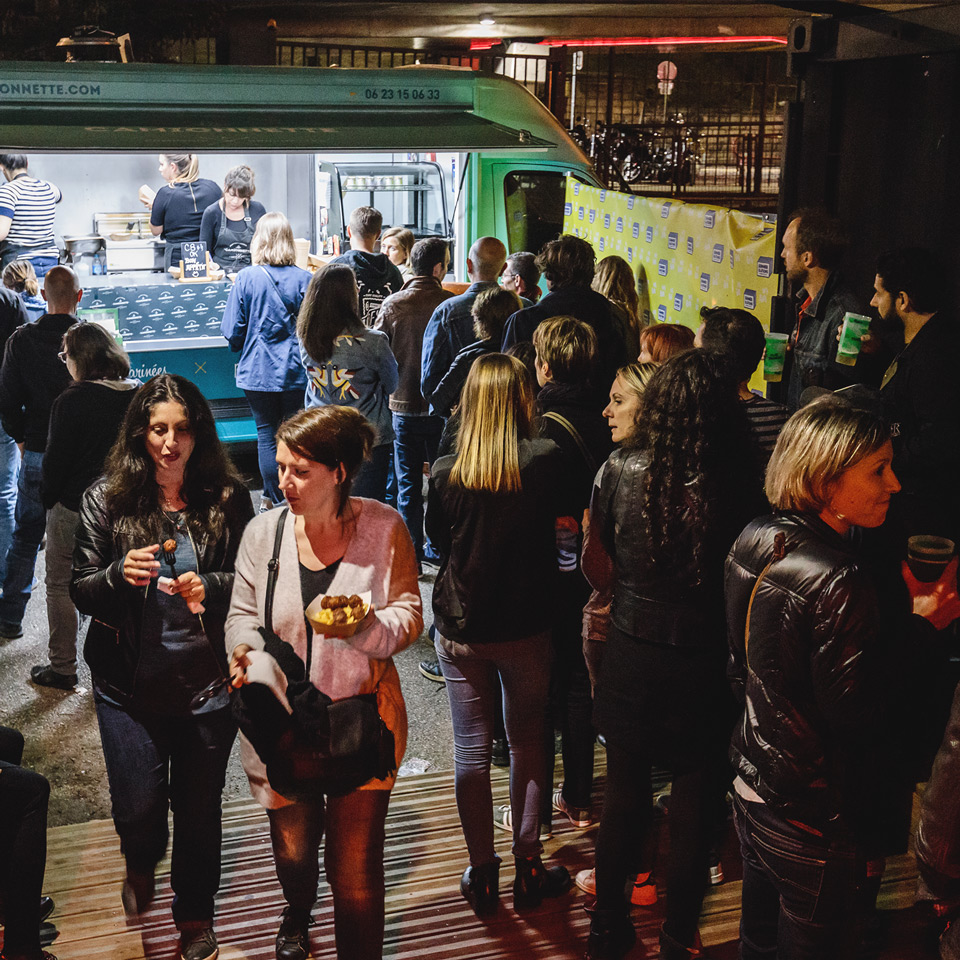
766,418
30,203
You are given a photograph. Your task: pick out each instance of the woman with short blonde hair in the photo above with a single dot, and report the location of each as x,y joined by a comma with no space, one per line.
260,323
396,243
491,515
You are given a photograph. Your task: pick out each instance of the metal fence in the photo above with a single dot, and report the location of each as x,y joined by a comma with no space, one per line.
718,130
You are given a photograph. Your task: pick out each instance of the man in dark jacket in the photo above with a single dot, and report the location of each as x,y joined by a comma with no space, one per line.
376,276
451,326
921,392
403,318
813,246
13,314
568,265
31,378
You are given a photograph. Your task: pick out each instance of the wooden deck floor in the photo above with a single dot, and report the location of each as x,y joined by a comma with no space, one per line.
426,917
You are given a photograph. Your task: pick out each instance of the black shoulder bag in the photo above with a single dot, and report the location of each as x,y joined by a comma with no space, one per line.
326,747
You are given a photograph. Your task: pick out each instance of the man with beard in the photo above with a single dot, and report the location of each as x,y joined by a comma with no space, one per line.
813,246
921,391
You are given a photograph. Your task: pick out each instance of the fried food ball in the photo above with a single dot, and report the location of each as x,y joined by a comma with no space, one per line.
354,601
339,615
169,546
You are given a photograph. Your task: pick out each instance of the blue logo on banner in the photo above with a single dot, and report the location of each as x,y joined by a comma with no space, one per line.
750,299
567,209
576,189
635,230
662,313
764,266
649,234
704,282
593,214
665,210
663,267
709,219
678,301
672,240
630,202
603,195
629,254
602,244
732,258
718,253
579,213
606,221
690,245
619,224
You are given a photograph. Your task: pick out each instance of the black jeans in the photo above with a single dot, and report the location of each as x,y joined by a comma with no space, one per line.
352,860
572,702
155,762
626,826
799,890
23,846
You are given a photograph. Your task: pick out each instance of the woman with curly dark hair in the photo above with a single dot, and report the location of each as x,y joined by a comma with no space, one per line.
153,566
666,507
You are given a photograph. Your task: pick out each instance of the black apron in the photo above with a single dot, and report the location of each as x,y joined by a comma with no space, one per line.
232,250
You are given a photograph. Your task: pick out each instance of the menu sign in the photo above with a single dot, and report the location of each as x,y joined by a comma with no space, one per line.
193,254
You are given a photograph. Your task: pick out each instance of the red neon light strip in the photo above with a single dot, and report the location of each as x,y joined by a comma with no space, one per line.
634,42
655,41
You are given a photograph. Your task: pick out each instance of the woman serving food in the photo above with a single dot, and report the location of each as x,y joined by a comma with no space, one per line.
334,550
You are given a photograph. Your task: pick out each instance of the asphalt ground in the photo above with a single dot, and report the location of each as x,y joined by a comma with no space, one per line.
63,742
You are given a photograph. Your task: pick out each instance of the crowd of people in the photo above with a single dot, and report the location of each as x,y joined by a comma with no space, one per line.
629,542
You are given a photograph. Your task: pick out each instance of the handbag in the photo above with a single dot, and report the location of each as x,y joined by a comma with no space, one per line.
325,747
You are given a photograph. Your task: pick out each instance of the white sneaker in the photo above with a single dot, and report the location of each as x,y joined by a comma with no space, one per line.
503,818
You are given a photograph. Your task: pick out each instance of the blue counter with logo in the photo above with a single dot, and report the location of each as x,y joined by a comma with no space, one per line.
172,327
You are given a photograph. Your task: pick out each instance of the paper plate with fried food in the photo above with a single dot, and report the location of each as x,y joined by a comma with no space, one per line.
339,615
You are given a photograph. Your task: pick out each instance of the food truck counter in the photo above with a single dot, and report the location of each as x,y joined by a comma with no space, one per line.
173,327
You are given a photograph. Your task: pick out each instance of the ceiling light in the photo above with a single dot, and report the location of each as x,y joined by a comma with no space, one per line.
488,21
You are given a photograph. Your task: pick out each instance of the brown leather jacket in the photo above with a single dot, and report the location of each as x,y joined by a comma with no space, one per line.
403,318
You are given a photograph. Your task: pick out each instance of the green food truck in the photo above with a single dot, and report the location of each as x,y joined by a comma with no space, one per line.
442,151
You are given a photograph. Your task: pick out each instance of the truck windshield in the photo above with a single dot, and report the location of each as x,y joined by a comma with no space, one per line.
534,202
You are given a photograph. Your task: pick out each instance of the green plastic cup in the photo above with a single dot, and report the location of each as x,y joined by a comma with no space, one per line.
928,556
855,325
774,357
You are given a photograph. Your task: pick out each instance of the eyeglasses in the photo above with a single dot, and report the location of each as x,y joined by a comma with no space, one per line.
62,355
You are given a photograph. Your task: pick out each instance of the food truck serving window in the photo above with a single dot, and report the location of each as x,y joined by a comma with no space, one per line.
534,201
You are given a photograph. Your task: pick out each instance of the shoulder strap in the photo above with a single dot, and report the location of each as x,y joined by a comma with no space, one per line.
572,430
779,552
273,567
276,287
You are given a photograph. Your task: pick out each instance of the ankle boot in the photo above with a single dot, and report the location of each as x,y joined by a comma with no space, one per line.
534,882
480,887
671,949
611,935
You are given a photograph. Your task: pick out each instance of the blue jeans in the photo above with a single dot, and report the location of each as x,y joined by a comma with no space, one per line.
154,762
471,672
416,443
371,478
269,411
799,890
352,860
30,520
9,468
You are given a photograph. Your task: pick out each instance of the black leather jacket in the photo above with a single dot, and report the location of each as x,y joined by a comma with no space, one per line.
657,603
813,690
112,648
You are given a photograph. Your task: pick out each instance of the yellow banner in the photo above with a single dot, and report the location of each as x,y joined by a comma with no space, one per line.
693,255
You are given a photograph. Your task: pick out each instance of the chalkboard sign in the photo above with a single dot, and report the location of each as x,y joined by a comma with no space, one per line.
193,254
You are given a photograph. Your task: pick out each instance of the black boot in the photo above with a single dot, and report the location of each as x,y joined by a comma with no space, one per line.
611,935
481,887
534,882
671,949
293,937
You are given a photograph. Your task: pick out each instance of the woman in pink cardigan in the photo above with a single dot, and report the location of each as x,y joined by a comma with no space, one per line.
333,544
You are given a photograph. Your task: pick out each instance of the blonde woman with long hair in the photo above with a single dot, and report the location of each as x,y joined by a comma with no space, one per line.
614,279
176,209
491,514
